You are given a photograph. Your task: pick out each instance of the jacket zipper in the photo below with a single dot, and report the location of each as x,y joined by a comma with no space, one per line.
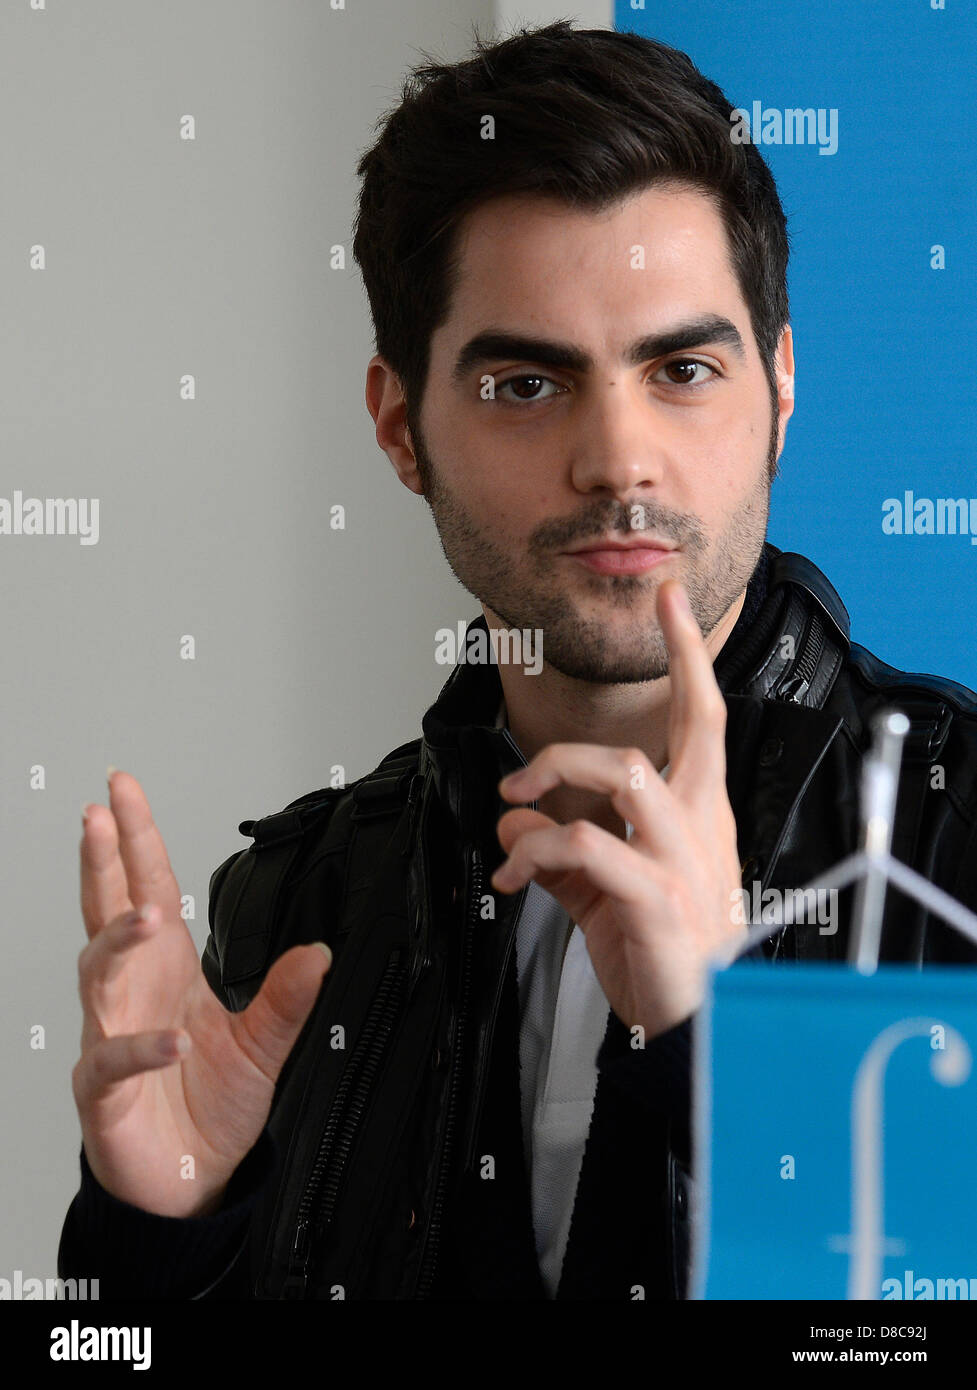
482,1062
317,1208
798,683
425,1278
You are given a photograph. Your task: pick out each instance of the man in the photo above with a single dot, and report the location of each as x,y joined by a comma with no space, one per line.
584,365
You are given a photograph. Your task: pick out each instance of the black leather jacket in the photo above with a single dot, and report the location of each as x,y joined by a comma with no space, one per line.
799,699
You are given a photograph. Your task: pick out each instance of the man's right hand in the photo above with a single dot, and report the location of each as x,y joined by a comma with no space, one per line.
146,1107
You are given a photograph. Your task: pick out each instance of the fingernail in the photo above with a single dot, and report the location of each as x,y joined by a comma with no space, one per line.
145,912
324,948
84,813
108,772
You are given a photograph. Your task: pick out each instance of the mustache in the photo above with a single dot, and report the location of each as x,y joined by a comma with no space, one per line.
624,520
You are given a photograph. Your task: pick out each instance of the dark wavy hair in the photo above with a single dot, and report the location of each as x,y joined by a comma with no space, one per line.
586,116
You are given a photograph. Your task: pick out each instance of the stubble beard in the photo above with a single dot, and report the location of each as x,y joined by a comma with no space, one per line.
587,645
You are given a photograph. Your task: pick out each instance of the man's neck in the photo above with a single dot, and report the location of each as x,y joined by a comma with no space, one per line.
553,708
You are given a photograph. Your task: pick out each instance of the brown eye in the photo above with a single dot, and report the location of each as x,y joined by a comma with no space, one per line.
517,382
685,368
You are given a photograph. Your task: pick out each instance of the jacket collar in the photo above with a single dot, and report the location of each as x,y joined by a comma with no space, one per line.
773,747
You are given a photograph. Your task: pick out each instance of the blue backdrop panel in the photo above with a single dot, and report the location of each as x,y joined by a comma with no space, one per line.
883,293
836,1134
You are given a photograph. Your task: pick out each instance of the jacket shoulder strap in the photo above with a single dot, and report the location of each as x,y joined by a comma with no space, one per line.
247,890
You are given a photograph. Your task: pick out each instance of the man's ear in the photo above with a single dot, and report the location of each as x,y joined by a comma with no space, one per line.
784,373
784,369
386,403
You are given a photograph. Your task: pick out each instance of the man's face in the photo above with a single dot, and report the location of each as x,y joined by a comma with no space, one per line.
678,443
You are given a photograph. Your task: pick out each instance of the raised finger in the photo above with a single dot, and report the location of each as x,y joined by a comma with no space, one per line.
104,890
148,870
697,710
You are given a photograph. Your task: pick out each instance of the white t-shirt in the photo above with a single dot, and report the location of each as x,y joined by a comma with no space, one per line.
563,1017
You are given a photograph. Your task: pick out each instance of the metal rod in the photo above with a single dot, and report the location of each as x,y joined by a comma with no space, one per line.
777,915
879,791
938,902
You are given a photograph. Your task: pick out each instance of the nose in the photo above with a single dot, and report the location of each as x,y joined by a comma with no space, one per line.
616,448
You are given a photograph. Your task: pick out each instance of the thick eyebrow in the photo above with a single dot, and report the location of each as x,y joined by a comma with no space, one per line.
494,343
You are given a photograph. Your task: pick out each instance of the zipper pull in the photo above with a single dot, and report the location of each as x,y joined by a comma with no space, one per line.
297,1278
793,690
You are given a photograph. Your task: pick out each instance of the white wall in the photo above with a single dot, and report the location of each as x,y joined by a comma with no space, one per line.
589,14
166,257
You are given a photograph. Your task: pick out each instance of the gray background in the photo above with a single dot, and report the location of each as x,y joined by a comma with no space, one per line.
164,257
